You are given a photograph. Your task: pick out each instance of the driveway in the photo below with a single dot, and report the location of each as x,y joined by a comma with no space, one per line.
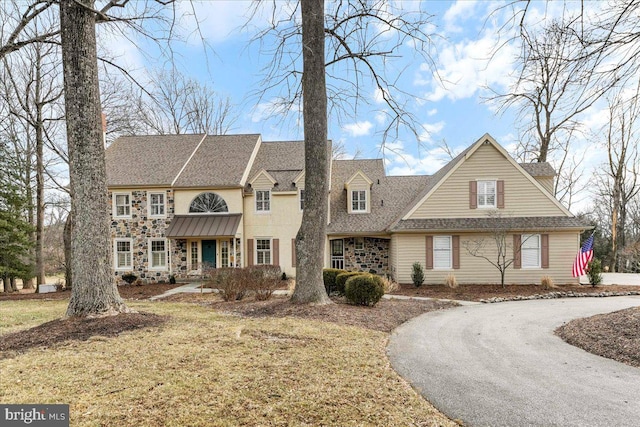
501,365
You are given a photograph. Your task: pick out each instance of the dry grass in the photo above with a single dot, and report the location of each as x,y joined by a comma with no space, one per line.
207,369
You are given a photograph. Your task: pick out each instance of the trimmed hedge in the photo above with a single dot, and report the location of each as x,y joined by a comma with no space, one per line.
341,279
329,278
364,289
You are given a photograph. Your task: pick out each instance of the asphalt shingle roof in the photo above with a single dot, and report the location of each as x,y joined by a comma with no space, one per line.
284,160
538,169
486,224
150,160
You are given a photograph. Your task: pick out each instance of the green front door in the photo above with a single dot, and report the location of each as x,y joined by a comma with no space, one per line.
209,253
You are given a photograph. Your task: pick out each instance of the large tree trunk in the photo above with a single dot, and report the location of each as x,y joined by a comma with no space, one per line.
94,289
66,237
310,241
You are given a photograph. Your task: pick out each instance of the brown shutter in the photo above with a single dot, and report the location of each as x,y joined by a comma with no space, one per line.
249,251
517,254
544,239
455,248
429,249
473,194
293,252
500,191
276,252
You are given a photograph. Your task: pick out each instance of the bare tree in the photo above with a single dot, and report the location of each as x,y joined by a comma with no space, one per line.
361,39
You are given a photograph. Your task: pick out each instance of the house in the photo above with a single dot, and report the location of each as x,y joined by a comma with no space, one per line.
183,202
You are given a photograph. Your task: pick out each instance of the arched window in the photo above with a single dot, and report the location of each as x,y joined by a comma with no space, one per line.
208,203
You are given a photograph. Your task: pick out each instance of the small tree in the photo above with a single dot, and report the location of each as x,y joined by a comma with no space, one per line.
594,272
417,274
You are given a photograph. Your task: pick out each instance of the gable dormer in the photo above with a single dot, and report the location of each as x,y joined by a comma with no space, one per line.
262,184
358,193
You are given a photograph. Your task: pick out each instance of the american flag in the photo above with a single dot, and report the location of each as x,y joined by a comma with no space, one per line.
584,256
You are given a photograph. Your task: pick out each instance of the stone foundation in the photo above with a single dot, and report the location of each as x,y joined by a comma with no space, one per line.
373,258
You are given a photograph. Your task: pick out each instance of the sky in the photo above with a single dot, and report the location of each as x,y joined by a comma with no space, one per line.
449,97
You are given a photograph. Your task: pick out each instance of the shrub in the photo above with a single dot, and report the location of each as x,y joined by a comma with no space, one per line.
364,289
263,280
284,276
329,278
388,284
232,283
450,281
342,278
417,274
129,278
594,272
547,282
172,279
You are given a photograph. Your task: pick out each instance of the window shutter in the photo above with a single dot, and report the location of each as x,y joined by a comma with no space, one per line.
276,252
544,242
293,252
500,191
517,254
473,194
455,249
249,251
429,249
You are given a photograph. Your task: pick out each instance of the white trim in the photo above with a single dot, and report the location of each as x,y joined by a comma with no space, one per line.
115,254
495,194
450,250
188,160
366,201
300,199
254,153
150,266
114,204
255,250
524,238
255,204
164,204
266,174
362,174
489,139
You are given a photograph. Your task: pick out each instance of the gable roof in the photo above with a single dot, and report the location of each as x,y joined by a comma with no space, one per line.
446,171
282,160
389,195
164,157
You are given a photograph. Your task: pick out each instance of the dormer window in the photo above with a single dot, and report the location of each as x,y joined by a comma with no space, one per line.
358,200
263,200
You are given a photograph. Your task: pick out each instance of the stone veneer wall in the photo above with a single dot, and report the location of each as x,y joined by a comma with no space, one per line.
374,258
140,228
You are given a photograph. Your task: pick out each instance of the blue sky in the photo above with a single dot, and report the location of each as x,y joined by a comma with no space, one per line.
452,108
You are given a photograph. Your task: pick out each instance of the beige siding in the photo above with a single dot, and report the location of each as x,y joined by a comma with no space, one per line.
521,196
262,182
473,270
183,199
359,183
282,222
546,182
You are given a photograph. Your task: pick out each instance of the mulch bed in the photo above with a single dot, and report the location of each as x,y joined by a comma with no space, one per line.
613,335
126,292
483,292
76,328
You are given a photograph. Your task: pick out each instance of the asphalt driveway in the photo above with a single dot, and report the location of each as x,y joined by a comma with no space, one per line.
501,365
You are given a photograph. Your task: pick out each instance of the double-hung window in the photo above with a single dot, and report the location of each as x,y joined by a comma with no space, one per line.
301,192
263,200
122,205
530,250
442,252
158,254
486,194
156,204
123,254
263,251
358,201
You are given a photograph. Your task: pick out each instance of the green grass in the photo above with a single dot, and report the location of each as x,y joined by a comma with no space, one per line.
207,369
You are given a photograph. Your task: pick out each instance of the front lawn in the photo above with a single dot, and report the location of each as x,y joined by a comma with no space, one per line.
203,368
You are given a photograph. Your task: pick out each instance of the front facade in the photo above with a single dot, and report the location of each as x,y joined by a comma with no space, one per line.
183,204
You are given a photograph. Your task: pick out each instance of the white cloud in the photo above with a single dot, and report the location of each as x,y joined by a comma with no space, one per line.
459,11
400,162
431,130
358,128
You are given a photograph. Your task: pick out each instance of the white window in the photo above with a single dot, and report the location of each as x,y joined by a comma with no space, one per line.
359,243
157,254
194,255
122,205
156,204
263,200
122,249
530,251
442,252
224,253
486,194
301,193
358,201
263,251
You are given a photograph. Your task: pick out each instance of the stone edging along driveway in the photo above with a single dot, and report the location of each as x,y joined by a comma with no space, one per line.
555,295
